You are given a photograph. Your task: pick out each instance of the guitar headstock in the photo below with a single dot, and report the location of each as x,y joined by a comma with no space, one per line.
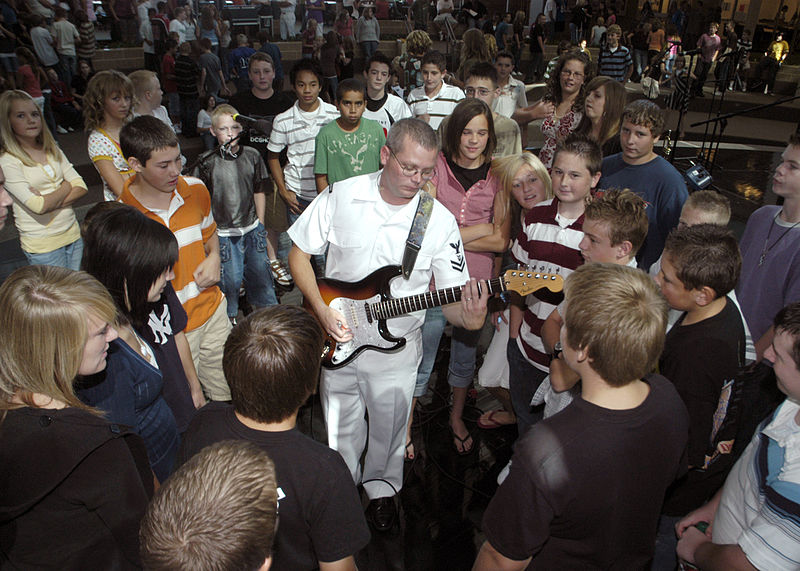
528,281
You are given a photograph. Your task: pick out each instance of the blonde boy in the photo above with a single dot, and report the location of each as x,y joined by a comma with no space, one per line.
148,95
236,177
585,486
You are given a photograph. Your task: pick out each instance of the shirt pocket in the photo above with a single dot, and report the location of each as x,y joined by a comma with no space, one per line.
344,237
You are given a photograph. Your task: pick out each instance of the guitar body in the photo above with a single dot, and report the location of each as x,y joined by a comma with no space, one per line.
351,299
367,304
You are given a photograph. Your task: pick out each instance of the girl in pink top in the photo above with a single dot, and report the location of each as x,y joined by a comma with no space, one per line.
465,186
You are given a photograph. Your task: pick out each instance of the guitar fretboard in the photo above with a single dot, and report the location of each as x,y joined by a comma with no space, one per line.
403,305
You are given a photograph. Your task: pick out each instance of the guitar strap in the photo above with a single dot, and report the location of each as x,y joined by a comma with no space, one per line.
417,232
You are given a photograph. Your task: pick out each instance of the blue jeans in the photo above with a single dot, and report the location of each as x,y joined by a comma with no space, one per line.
664,557
431,335
463,347
244,258
369,48
68,256
523,380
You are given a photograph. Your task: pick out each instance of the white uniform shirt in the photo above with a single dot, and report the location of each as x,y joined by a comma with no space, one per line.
365,234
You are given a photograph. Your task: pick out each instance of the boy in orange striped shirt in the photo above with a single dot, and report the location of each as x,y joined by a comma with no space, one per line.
182,204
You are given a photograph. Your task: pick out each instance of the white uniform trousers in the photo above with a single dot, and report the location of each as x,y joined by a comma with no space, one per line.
382,384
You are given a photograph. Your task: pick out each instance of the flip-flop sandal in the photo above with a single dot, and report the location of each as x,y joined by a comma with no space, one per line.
464,451
487,421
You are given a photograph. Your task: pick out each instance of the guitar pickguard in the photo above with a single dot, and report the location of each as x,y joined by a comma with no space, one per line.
366,335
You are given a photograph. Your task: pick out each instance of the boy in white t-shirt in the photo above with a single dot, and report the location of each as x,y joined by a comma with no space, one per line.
147,90
382,106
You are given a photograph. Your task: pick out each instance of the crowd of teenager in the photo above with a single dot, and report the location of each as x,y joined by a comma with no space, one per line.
148,409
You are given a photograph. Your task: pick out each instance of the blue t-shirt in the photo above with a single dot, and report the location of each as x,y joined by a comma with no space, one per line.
663,189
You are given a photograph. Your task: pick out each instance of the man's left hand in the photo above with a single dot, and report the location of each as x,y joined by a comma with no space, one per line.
473,303
691,539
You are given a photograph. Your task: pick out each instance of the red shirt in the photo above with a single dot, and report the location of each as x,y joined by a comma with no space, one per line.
167,69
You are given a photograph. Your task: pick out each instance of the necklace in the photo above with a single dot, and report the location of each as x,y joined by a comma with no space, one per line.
765,250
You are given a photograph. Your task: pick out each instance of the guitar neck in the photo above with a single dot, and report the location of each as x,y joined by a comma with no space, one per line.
403,305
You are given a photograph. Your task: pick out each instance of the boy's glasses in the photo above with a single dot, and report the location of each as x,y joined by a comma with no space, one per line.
410,172
471,92
568,73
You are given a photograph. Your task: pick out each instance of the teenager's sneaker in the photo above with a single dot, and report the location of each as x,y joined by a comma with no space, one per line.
280,274
61,130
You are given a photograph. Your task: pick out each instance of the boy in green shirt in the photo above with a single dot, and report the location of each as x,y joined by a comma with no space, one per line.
349,146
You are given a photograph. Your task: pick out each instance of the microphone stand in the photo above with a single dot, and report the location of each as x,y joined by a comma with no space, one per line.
722,120
684,107
203,157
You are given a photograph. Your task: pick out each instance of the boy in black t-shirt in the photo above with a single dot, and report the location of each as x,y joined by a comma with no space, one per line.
271,362
263,102
586,485
703,352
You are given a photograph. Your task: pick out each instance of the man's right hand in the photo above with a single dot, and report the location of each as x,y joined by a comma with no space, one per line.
334,324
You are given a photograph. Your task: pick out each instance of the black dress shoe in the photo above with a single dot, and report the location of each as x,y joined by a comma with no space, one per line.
381,513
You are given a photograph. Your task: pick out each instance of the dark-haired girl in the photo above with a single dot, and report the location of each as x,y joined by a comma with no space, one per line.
147,383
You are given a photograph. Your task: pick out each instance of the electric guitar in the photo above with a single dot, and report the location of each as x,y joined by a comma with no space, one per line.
367,304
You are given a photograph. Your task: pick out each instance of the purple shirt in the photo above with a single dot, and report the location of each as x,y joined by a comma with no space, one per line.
709,45
765,289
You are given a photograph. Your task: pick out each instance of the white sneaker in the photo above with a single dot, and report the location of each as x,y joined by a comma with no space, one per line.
61,130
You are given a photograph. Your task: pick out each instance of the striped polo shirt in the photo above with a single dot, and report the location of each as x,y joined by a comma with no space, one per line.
760,504
190,219
614,64
437,107
297,131
548,243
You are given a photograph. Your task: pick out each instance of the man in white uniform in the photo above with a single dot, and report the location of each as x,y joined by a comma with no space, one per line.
365,222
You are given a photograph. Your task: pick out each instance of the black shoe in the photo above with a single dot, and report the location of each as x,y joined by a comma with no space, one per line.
381,513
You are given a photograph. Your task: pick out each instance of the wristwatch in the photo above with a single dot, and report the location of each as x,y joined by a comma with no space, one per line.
556,354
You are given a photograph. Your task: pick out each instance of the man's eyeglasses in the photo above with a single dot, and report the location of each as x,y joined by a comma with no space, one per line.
482,91
568,73
410,172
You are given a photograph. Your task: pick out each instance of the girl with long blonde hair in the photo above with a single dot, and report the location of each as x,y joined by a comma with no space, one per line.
42,182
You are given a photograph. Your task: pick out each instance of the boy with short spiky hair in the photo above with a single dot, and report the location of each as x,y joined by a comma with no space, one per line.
272,359
236,177
435,100
585,486
614,228
703,353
